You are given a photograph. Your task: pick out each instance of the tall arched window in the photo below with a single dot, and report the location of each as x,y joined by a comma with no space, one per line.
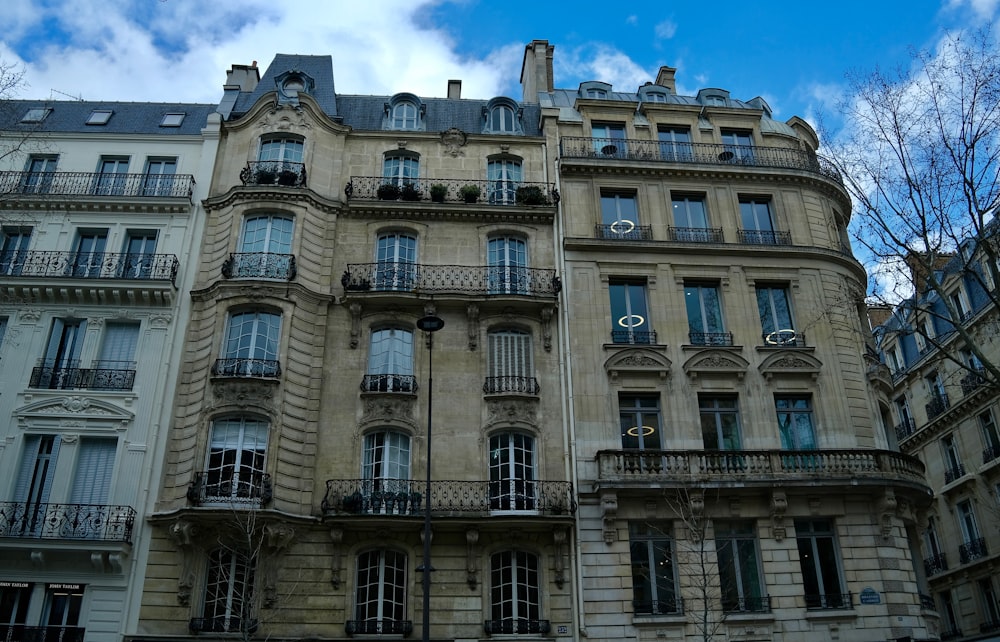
508,262
405,115
251,345
390,361
236,461
512,472
385,470
380,599
265,250
515,594
395,258
504,177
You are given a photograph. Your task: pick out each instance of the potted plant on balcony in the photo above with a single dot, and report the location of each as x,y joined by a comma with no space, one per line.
352,503
530,195
387,192
438,192
415,499
409,192
470,193
288,177
265,176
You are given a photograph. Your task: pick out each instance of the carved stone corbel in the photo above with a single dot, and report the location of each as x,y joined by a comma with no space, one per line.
559,540
779,504
609,510
337,535
182,533
547,312
471,570
696,506
887,509
355,310
472,312
277,537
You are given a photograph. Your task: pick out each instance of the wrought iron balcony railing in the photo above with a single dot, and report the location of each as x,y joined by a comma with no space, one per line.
829,601
523,385
935,564
927,602
22,633
973,381
102,375
698,153
710,338
484,280
972,550
259,265
447,190
764,237
223,624
951,473
784,338
97,184
230,488
247,368
696,234
67,521
937,405
405,497
284,173
747,604
624,231
90,265
516,626
633,336
905,428
990,453
951,633
378,627
763,466
667,606
989,626
389,383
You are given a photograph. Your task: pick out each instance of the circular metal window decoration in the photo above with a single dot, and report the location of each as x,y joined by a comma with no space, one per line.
631,321
617,227
646,431
780,337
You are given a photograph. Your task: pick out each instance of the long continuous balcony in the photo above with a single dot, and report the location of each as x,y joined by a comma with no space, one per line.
89,265
214,488
450,190
61,184
483,280
22,633
102,375
259,265
404,497
695,153
639,468
67,521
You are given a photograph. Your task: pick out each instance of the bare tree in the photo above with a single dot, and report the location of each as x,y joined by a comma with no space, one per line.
920,155
12,82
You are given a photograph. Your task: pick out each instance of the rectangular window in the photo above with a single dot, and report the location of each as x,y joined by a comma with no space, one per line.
515,593
111,176
159,177
654,575
34,483
95,464
757,223
819,559
510,364
62,611
87,261
609,139
905,427
99,117
3,329
59,367
237,457
115,367
229,594
14,600
991,607
691,220
629,313
738,145
988,425
390,361
957,300
775,312
620,218
952,460
503,180
39,174
139,256
251,345
14,251
704,315
675,143
950,624
720,422
741,579
395,256
639,416
380,597
795,425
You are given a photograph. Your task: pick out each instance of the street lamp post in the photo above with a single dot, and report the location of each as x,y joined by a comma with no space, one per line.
429,324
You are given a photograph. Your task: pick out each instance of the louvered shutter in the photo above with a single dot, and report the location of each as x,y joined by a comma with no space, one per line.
94,467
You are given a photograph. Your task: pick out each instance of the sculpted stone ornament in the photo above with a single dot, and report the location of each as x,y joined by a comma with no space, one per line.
511,411
382,409
453,141
243,393
183,533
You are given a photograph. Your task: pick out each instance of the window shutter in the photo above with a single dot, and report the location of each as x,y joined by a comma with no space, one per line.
94,468
120,340
23,488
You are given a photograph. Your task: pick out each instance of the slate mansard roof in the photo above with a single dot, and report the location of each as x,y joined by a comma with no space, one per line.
70,117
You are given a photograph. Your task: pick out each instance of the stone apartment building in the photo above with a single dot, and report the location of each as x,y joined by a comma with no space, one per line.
100,212
293,493
943,409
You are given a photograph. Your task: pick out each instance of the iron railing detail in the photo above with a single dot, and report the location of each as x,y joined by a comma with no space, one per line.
829,601
764,237
710,338
404,497
67,521
684,466
247,368
990,453
22,633
90,265
696,234
972,550
784,338
935,564
927,602
668,606
236,488
524,385
389,383
633,336
223,624
951,634
458,279
259,265
512,626
974,381
284,173
699,153
905,428
486,192
378,627
951,473
989,626
937,405
102,375
760,604
624,231
97,184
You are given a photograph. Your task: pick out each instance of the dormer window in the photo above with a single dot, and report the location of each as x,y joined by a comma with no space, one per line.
292,83
404,116
714,97
502,116
596,93
99,117
595,90
404,112
650,93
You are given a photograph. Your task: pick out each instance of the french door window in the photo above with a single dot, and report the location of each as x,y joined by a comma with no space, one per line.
380,599
265,249
654,575
503,178
515,593
140,255
511,368
229,593
88,254
390,361
251,345
386,472
159,178
639,417
14,251
704,315
60,366
237,456
111,176
508,262
629,314
512,472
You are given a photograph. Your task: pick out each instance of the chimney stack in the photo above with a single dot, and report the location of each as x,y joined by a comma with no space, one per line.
454,89
245,77
536,70
665,78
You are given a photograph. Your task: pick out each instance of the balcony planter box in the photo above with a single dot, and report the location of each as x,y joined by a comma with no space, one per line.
388,192
470,193
438,192
530,195
409,192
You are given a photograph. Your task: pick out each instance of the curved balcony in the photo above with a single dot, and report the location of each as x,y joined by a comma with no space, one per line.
760,468
652,151
62,184
67,521
212,488
389,383
259,265
482,280
245,368
283,173
450,190
404,497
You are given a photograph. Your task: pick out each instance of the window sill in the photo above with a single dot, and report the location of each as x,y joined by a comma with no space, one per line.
831,614
649,619
749,616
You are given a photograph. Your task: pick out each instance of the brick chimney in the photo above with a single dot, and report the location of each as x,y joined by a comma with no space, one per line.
665,78
536,70
245,77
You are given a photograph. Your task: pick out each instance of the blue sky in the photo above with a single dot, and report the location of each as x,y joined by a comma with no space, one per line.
794,54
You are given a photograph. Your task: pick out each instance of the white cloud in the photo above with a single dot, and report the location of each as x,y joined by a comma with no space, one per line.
666,29
984,9
598,61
